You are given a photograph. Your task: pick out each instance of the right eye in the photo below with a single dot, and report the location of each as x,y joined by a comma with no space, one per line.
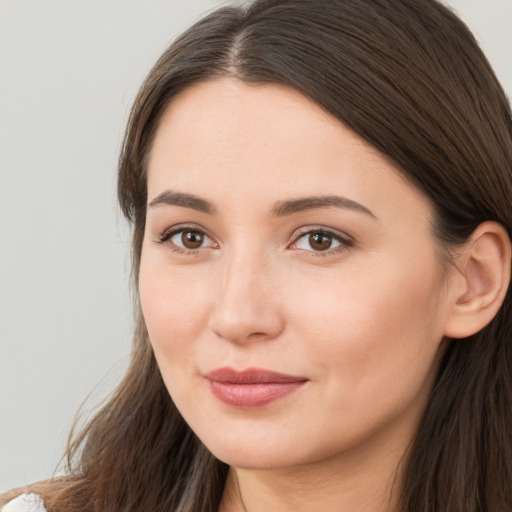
186,239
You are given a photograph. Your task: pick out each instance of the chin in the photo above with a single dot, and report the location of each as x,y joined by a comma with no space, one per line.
253,458
250,451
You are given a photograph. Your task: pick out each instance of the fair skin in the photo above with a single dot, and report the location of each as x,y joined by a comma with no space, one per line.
349,295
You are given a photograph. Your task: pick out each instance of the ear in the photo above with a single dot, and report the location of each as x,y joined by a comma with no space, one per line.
480,280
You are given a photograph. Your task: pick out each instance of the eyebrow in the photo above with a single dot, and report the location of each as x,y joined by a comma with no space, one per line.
181,199
280,209
283,208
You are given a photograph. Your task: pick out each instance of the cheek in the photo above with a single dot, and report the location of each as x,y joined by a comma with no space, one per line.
372,344
376,328
175,307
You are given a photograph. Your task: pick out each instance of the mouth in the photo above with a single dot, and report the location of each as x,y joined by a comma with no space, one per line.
251,388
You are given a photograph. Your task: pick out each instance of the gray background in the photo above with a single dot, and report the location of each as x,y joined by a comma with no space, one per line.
69,70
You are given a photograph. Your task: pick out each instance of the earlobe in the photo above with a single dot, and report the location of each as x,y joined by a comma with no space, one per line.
481,283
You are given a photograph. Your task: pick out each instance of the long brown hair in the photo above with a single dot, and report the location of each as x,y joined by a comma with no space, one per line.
408,77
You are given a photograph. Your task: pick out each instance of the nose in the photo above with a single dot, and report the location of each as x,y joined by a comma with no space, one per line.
247,304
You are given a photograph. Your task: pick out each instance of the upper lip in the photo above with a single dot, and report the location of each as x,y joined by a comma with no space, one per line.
251,376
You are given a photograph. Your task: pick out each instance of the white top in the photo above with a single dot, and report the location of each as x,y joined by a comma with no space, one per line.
25,503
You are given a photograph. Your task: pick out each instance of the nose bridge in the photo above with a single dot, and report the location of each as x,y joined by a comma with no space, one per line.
244,307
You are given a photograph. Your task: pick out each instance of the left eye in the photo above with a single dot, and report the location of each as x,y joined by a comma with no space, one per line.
190,239
318,241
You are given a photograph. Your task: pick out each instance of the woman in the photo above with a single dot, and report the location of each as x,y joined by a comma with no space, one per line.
319,193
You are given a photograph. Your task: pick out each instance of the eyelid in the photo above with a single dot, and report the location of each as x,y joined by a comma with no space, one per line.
345,240
166,235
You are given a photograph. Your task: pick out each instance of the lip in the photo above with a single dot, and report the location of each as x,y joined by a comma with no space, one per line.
251,388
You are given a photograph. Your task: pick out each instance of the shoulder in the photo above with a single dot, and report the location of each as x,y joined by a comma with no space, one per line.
33,497
25,503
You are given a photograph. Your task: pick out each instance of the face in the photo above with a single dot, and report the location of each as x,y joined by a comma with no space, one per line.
289,280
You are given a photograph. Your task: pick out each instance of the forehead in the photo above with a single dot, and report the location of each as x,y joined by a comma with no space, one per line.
263,142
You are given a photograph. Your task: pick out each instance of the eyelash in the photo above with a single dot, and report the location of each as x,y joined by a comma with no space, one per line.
171,232
346,242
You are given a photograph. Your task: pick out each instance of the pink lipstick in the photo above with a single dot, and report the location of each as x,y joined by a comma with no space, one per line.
251,388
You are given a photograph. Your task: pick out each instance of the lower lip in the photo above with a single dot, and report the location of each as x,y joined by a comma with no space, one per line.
252,396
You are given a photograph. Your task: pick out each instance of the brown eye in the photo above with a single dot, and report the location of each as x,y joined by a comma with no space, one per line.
192,239
188,239
320,241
